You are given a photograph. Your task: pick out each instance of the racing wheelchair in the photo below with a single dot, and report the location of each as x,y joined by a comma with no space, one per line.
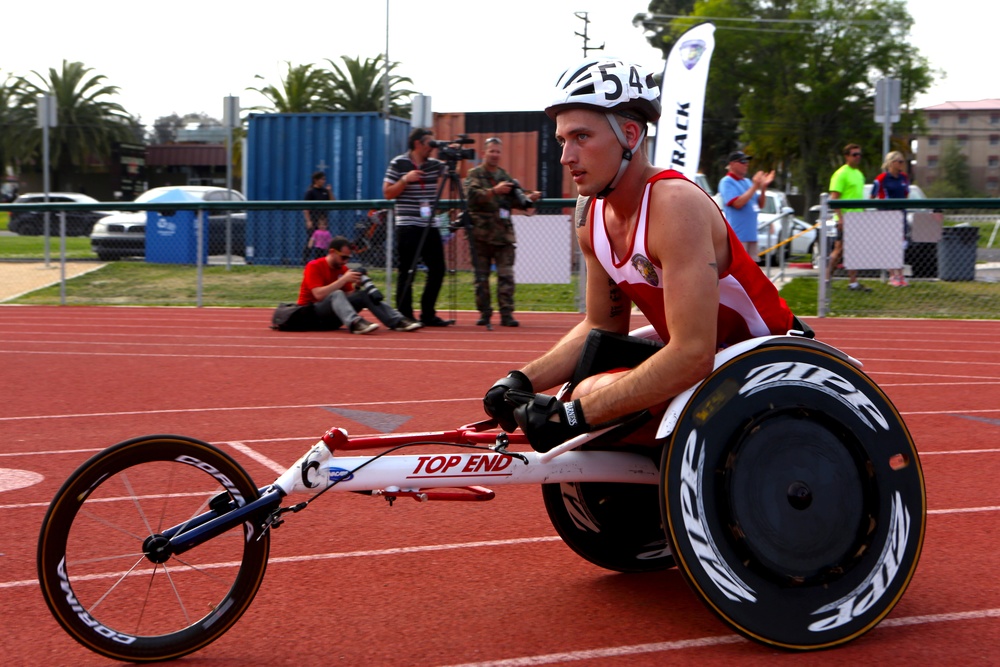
784,487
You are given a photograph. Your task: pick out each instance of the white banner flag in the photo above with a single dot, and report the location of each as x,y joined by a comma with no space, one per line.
682,96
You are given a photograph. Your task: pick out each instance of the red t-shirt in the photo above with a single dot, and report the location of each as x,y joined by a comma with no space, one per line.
317,274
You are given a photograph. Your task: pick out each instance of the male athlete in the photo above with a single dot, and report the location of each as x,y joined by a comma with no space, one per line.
650,238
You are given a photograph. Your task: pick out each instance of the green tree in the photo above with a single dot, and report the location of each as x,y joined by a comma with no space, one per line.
658,23
16,123
360,86
299,92
955,179
89,123
793,81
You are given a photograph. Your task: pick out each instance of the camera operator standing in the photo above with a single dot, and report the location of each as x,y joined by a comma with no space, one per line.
331,295
412,180
492,194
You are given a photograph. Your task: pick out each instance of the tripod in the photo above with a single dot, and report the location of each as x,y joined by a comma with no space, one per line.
453,184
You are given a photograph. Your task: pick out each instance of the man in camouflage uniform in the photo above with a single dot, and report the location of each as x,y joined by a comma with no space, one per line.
491,196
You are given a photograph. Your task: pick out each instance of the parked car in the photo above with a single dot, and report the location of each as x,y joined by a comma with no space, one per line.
123,234
32,223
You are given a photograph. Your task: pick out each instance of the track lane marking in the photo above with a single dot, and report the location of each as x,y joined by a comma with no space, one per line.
702,642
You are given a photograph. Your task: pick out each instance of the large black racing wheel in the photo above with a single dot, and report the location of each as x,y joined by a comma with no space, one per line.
615,526
98,564
794,498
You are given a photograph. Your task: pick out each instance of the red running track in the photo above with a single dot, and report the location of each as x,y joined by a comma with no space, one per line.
354,582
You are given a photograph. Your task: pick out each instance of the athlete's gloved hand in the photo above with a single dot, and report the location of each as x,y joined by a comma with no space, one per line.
496,404
545,432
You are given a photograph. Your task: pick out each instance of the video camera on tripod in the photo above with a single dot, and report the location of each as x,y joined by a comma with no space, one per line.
448,152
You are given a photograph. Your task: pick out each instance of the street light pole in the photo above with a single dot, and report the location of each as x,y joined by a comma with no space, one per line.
230,119
47,117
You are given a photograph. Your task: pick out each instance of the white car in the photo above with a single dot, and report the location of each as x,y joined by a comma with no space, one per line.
123,234
771,229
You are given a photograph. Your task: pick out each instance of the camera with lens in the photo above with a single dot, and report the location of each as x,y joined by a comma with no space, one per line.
366,284
448,152
517,194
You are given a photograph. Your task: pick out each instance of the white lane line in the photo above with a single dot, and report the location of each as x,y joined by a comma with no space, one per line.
241,408
328,556
662,647
958,413
257,456
276,357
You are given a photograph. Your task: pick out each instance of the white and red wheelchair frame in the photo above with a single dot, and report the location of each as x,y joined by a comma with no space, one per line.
785,487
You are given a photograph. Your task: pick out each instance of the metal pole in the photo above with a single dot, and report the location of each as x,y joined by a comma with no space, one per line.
824,211
886,134
44,102
62,258
385,89
199,245
230,118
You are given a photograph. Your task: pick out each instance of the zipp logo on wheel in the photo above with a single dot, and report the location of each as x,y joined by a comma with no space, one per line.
881,577
809,375
697,529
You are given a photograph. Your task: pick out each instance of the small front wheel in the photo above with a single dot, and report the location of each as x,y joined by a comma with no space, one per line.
101,565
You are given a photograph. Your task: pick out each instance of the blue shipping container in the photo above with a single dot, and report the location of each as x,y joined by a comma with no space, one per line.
283,151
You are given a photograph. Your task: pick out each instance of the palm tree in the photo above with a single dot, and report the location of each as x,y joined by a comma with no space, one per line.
299,92
362,87
88,123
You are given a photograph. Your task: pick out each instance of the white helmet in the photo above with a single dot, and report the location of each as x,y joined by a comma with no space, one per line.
614,87
611,85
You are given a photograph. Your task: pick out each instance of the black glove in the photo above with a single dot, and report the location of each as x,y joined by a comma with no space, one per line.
544,433
496,404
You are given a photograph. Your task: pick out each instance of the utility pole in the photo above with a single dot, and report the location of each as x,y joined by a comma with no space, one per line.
586,24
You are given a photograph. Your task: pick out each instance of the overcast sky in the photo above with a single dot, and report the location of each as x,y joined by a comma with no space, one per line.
179,58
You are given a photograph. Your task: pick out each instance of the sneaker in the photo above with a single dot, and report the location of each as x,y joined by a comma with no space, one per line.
483,321
362,326
903,283
406,324
435,322
858,287
509,321
895,282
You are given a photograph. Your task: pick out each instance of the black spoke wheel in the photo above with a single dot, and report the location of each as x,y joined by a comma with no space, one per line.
794,498
105,568
615,526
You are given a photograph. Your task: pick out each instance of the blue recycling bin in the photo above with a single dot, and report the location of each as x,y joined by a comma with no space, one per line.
171,236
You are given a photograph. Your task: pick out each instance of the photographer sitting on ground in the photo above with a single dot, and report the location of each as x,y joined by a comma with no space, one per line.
332,294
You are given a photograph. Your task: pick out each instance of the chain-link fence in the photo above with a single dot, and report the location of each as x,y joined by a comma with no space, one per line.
904,258
251,253
908,258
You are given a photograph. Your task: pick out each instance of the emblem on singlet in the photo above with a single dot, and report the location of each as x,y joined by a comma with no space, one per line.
645,269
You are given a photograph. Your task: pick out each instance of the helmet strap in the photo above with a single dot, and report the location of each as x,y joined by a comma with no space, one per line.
626,154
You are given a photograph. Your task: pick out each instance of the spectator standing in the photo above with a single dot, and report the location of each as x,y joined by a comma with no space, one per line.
490,197
319,190
742,199
848,182
893,183
412,180
328,298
